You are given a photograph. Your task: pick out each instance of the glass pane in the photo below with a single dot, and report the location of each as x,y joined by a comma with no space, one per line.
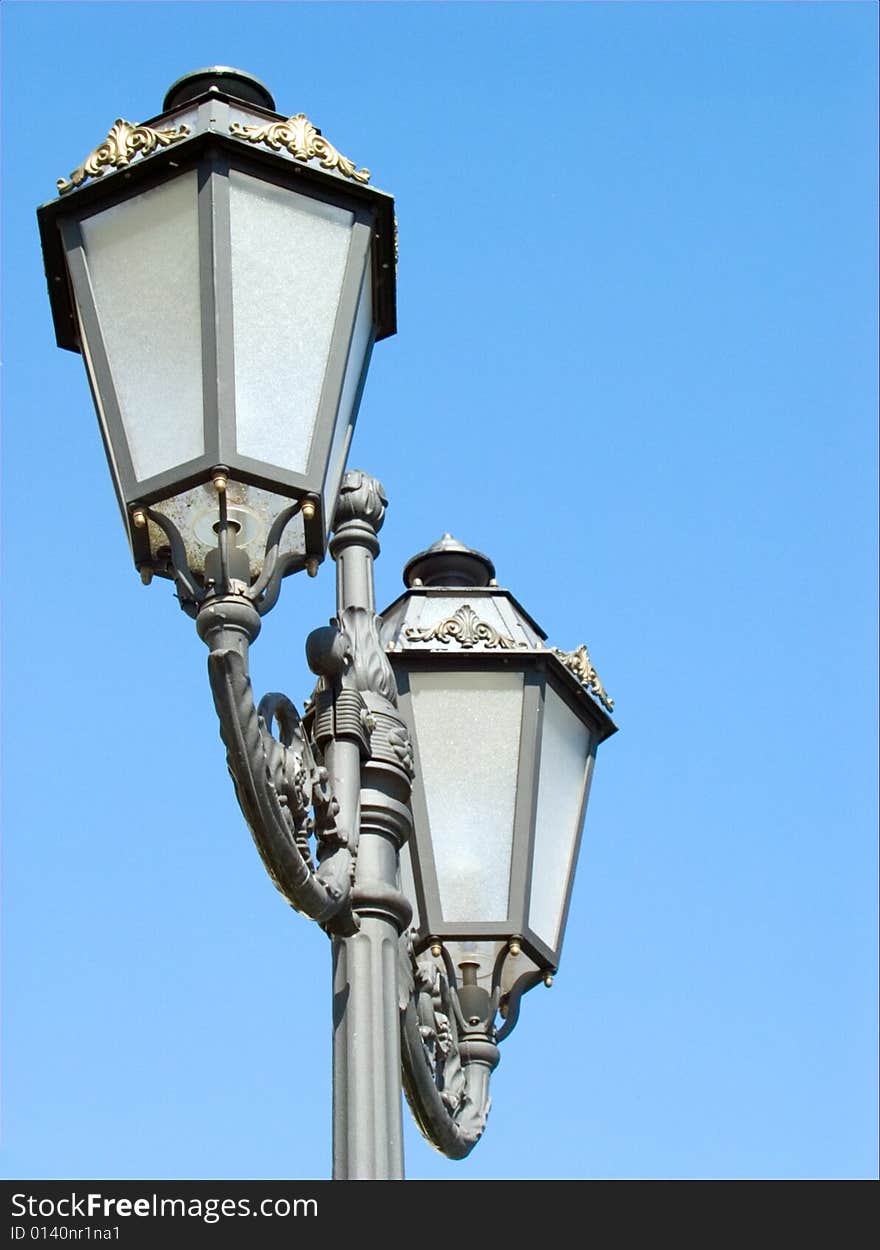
195,513
467,727
361,344
565,751
143,262
288,261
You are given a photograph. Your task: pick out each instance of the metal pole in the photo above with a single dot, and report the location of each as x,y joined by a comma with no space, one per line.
367,1122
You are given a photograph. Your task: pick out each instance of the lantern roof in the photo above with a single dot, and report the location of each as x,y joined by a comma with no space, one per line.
223,108
454,608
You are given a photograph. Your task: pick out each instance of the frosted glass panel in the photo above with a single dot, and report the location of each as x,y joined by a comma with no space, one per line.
143,262
467,728
288,262
361,343
565,748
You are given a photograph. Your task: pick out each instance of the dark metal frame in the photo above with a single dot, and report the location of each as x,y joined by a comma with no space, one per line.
599,726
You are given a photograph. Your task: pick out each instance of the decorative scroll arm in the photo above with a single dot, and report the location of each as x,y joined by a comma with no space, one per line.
446,1060
510,1003
275,781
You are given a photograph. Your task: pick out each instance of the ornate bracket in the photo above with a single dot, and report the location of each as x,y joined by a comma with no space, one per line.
282,783
278,781
124,141
449,1045
301,139
446,1060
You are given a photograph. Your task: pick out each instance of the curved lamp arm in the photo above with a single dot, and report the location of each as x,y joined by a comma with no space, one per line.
510,1004
276,781
189,592
267,587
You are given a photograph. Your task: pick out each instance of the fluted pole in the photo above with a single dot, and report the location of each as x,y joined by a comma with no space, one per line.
367,1123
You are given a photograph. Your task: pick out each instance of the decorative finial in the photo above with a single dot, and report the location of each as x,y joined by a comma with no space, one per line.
222,79
449,563
361,498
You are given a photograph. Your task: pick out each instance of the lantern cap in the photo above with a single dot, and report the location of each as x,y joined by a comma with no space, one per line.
222,78
454,612
449,563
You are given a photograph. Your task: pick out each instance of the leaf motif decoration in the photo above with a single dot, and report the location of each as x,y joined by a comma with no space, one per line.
463,627
303,140
370,667
579,663
124,141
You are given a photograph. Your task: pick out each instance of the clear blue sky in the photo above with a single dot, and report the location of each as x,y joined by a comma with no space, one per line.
637,366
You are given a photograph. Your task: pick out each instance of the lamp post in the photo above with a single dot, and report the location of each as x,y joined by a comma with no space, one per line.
225,272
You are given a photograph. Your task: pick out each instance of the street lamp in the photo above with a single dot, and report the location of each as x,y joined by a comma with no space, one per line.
505,733
224,272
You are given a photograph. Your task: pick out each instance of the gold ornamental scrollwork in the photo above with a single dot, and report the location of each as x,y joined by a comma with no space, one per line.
124,141
463,627
301,139
579,663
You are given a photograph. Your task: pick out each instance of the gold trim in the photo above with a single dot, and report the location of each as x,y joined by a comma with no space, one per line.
579,663
301,139
463,627
124,141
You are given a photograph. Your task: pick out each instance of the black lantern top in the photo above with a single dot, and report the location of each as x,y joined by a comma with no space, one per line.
218,78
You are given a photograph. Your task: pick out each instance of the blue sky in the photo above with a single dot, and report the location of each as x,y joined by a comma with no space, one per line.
637,366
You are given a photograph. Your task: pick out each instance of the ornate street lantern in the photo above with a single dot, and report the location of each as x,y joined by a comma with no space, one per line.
505,732
224,272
